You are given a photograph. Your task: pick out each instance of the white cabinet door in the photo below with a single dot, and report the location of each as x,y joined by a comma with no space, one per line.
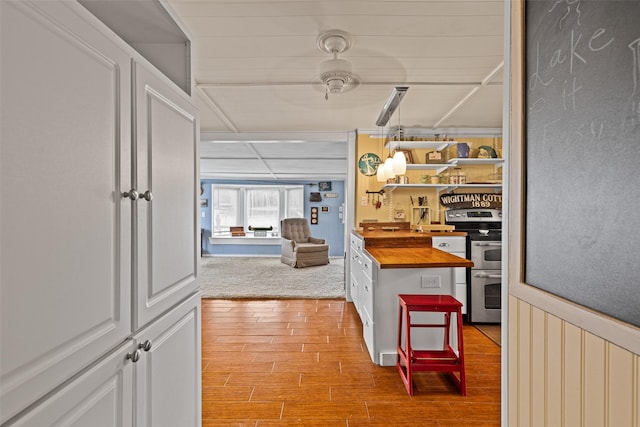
167,375
66,230
456,245
100,397
167,246
354,278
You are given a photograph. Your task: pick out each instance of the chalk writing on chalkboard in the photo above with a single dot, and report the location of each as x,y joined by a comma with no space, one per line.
582,100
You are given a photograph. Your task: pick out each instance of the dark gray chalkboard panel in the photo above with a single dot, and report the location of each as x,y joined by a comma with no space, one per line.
583,153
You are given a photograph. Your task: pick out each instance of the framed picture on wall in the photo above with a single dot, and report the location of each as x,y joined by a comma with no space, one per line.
408,155
325,209
324,185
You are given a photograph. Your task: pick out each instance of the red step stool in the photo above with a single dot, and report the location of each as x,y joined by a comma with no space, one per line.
410,360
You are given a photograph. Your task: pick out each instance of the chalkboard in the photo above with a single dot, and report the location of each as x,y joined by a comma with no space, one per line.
582,165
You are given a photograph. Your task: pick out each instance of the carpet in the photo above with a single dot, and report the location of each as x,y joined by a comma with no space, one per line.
267,277
491,331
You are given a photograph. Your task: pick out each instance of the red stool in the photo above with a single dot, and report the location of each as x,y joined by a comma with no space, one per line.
410,360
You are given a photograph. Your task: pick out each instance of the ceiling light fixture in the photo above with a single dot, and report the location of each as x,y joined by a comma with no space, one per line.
392,103
335,73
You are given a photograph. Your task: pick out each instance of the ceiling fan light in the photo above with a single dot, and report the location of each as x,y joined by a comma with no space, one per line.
335,85
399,163
336,75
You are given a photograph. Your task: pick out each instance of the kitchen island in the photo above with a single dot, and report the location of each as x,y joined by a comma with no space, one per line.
384,264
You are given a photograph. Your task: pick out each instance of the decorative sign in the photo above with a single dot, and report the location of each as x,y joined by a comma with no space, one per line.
368,164
472,201
324,186
330,195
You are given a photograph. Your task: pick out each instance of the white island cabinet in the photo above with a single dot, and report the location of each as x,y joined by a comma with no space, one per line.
99,227
380,324
380,274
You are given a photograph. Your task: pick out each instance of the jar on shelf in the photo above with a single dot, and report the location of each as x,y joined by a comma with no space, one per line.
462,177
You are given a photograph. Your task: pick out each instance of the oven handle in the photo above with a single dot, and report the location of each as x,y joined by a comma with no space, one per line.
488,276
487,243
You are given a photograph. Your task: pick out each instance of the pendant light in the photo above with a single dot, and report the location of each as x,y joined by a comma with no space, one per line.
399,160
388,166
381,176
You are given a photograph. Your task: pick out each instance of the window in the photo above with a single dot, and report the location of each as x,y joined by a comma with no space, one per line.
226,208
294,202
255,206
263,207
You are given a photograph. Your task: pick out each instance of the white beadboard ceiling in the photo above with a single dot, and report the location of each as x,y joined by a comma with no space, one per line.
256,76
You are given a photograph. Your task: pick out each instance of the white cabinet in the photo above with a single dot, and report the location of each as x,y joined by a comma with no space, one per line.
361,281
84,269
161,364
456,245
167,373
66,235
355,270
381,337
167,231
101,396
366,284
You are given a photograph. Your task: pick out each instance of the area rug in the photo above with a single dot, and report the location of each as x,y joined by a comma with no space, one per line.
267,277
491,331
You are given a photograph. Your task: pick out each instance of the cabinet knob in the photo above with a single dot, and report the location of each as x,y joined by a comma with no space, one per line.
146,195
131,194
146,346
135,356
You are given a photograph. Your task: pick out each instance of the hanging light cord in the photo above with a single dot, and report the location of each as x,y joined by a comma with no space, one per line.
399,124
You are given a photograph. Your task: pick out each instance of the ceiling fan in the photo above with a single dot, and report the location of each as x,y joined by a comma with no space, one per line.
335,73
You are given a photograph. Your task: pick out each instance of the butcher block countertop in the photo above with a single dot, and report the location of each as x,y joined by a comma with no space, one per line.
402,238
424,257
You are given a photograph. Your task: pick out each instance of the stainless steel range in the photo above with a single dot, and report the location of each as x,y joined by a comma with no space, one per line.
484,248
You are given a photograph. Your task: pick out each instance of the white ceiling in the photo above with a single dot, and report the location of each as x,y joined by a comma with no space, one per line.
256,76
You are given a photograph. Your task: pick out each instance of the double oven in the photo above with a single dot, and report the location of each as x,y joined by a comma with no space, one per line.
484,248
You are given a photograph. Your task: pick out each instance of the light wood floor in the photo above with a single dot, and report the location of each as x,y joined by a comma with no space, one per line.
304,363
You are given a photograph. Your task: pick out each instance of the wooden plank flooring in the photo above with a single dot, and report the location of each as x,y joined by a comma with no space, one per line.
304,363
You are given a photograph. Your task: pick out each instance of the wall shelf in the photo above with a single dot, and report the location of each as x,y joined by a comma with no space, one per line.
444,187
473,161
438,167
433,145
